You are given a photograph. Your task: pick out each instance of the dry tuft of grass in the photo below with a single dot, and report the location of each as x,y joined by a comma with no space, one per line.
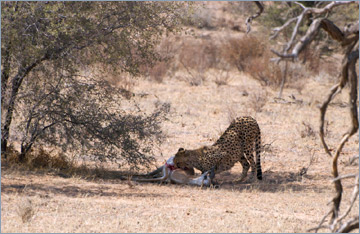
199,53
201,18
44,161
240,51
257,100
252,55
158,71
194,77
221,78
307,131
26,210
12,155
311,58
167,50
267,73
231,114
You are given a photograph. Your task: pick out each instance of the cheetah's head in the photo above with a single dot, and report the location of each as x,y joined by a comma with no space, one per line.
185,159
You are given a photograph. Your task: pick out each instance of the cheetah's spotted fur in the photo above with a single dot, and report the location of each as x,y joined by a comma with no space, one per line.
236,144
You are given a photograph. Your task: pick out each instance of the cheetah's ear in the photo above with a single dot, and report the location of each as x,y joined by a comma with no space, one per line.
205,149
181,150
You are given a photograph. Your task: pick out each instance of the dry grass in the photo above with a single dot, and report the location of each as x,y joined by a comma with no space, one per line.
284,201
193,77
257,100
240,51
167,50
38,159
158,71
26,210
307,131
72,205
43,161
222,78
287,200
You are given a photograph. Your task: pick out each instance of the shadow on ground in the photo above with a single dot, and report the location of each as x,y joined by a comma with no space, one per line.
105,184
71,191
272,182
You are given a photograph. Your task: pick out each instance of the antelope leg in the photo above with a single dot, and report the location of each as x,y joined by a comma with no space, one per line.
153,173
157,171
164,177
204,179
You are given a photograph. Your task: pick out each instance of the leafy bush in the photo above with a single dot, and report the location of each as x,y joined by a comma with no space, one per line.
49,87
85,116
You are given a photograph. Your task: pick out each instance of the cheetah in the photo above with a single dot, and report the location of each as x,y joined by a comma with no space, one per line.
236,144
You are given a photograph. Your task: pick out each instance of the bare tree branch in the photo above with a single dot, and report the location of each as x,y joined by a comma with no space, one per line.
326,9
277,30
349,40
354,196
316,229
345,177
313,30
295,32
333,92
332,30
350,225
321,223
249,20
303,42
284,74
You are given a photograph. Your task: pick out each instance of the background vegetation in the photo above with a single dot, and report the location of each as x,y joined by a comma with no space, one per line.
91,90
55,60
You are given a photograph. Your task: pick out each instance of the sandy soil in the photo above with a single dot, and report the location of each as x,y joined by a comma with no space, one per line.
283,202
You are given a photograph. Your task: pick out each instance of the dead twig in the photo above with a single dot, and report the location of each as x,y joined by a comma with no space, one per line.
349,40
302,43
249,20
333,92
277,30
304,170
349,226
352,160
354,197
344,177
324,23
321,223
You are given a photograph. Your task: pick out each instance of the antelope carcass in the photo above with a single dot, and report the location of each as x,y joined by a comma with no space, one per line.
169,173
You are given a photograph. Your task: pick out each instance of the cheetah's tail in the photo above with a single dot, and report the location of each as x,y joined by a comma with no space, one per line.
258,164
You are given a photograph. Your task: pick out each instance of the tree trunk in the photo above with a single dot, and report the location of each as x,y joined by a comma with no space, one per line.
10,110
5,73
15,86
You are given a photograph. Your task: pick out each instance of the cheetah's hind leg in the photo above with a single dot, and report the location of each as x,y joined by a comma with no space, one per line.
246,167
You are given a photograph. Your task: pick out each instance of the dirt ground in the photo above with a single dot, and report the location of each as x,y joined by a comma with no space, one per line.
284,201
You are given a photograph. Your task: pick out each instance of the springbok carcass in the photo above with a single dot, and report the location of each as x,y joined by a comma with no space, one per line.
171,174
